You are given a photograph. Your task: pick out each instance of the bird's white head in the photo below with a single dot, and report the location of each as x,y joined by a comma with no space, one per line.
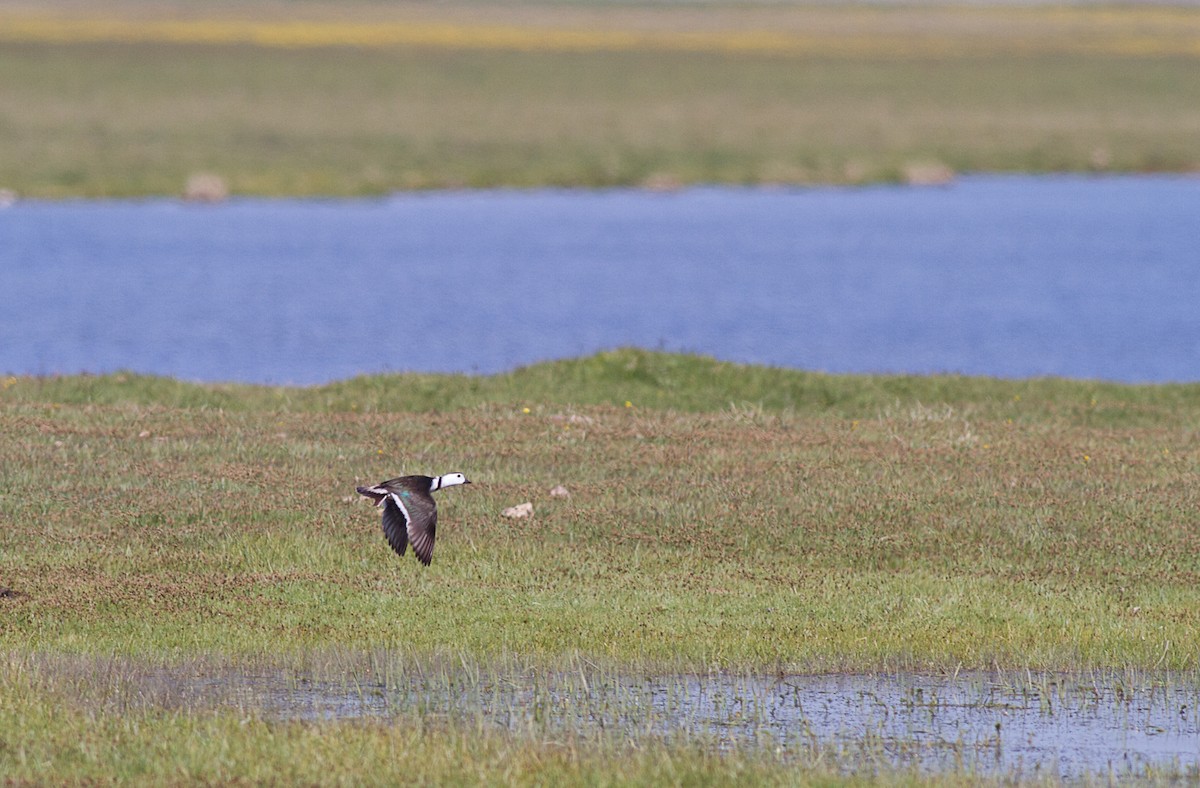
449,480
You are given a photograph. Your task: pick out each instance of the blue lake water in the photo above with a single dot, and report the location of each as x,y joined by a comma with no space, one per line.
1004,276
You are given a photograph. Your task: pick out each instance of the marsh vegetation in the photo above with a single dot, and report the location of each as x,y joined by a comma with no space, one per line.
1009,725
729,520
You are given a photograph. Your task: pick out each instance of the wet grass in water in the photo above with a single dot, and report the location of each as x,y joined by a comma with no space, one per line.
578,715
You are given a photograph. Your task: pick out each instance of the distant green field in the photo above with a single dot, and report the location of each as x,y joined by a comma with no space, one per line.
871,97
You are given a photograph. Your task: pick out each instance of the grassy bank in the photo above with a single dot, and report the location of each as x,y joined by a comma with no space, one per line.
808,95
834,523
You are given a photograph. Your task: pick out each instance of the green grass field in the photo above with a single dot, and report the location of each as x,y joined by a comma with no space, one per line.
728,518
865,96
740,517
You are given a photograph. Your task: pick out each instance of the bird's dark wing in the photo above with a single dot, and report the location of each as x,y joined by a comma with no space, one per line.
421,530
395,526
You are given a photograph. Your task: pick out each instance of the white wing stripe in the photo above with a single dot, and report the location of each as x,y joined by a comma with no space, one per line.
403,511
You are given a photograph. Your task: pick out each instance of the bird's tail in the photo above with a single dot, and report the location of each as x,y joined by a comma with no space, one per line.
376,494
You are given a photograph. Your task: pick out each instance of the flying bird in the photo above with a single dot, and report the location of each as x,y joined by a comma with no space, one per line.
409,511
